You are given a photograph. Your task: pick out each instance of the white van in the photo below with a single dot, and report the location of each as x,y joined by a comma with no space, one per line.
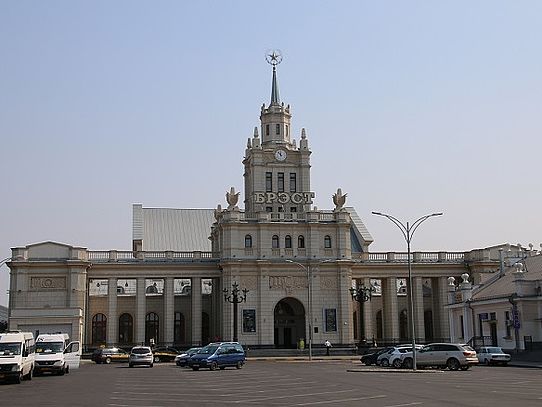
16,356
56,354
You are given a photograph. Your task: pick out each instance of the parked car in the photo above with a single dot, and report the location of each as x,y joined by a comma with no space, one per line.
141,355
453,356
493,355
182,359
370,358
108,355
392,355
164,354
218,355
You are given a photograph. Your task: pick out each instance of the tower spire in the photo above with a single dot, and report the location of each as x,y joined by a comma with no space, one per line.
274,58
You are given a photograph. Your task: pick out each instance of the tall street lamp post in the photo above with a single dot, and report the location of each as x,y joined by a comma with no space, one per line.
307,269
235,298
362,294
408,231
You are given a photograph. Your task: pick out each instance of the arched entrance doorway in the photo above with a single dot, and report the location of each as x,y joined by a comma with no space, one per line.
289,317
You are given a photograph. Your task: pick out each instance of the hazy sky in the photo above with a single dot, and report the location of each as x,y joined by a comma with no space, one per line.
410,107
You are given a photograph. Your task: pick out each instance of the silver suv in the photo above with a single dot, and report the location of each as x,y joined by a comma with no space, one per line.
454,356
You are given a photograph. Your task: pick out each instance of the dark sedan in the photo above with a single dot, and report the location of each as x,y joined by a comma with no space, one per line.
370,358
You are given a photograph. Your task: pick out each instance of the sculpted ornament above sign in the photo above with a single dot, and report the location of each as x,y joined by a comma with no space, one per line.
283,197
39,283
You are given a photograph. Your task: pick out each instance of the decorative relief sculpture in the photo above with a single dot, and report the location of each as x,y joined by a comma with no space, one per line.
40,283
328,283
339,199
250,282
232,198
287,283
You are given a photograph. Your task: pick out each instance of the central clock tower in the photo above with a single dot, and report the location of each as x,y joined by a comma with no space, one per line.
277,170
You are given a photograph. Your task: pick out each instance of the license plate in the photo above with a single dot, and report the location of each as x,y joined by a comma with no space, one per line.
195,365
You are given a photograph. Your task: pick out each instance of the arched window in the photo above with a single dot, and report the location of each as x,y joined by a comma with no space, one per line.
248,241
275,242
301,242
327,242
99,328
178,337
126,329
288,242
152,328
152,289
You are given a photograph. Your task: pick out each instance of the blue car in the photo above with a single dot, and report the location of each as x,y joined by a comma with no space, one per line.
218,355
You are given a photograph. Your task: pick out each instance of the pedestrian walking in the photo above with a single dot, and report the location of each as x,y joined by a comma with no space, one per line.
327,344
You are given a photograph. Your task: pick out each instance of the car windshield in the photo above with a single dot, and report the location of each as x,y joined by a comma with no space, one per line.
10,348
49,347
141,351
208,349
494,350
192,350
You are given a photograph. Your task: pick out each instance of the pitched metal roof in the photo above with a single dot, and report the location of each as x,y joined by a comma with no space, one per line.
359,229
163,229
502,285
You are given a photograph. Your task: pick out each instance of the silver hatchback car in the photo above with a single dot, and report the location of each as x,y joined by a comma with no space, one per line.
141,355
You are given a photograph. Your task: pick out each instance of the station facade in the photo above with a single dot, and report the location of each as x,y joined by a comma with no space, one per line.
293,264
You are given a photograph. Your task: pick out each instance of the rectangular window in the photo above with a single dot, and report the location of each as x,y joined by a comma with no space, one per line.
508,323
293,182
330,318
293,209
280,182
277,129
269,209
267,130
461,326
287,131
268,182
249,320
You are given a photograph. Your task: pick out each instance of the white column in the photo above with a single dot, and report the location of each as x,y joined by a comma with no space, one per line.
368,322
419,309
196,311
169,311
390,315
141,311
112,314
345,308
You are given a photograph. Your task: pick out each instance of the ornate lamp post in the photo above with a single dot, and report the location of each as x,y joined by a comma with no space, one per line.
362,294
235,298
408,231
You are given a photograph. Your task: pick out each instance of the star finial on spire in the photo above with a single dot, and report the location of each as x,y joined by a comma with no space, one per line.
274,57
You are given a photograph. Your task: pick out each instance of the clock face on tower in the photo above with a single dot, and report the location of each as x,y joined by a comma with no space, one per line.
280,155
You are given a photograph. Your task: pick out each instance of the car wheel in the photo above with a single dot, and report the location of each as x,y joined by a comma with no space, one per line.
407,363
67,369
465,367
213,366
157,359
19,378
384,363
130,365
195,367
151,365
178,363
239,365
62,371
397,363
107,360
29,375
487,362
453,364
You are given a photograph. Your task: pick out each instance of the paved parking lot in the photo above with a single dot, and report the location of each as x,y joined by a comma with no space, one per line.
266,383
